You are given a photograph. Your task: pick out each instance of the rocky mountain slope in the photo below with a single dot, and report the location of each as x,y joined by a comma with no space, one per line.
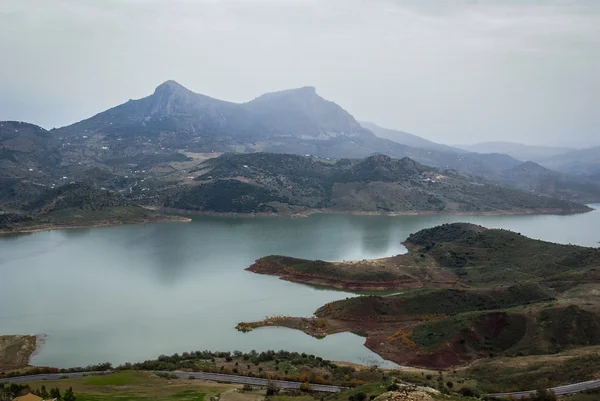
275,183
296,121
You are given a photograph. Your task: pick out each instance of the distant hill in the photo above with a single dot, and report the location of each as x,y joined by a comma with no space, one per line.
264,183
532,177
404,138
517,150
583,162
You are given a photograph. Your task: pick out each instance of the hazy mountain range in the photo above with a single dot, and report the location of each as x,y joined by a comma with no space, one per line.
154,143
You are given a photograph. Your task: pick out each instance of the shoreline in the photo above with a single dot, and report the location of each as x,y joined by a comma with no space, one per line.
310,212
307,213
109,223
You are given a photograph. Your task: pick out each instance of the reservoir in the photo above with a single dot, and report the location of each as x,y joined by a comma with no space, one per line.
131,293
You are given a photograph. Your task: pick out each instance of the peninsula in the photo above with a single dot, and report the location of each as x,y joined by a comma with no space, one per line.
470,293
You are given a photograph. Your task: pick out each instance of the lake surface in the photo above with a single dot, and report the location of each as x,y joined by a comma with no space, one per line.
131,293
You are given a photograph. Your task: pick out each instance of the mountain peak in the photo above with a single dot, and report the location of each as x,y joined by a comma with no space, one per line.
170,87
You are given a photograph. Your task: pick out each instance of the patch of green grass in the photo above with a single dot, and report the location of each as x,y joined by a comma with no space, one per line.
116,379
187,395
191,395
591,395
494,377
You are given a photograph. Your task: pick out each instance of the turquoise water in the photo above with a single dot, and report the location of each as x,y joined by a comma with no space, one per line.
131,293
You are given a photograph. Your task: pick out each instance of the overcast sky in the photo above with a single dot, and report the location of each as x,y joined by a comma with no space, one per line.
453,71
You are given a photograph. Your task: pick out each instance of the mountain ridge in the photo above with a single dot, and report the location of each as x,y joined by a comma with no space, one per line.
289,184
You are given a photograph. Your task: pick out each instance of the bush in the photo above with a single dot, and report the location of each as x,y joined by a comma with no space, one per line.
306,387
393,387
468,392
358,397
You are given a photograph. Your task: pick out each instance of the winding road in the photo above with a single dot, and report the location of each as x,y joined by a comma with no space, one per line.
561,390
255,381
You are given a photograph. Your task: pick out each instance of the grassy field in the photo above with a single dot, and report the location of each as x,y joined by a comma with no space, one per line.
141,386
536,371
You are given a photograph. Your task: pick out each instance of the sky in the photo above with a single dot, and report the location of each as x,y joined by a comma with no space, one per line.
452,71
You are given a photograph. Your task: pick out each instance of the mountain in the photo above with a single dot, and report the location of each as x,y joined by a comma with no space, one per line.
404,138
278,183
169,129
517,150
532,177
296,121
584,161
174,117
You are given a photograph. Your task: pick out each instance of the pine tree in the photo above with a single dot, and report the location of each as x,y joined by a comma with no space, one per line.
69,396
55,393
44,393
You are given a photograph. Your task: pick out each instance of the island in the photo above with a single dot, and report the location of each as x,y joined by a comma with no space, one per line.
467,293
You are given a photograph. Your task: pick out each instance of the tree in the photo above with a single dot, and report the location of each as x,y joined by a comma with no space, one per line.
69,395
55,393
358,397
44,393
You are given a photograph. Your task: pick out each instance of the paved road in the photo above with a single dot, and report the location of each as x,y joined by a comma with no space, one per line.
562,390
253,381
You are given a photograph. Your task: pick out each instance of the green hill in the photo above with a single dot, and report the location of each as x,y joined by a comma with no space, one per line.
483,256
262,182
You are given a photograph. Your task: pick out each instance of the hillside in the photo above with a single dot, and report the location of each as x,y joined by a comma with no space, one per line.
471,293
75,205
260,182
27,151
